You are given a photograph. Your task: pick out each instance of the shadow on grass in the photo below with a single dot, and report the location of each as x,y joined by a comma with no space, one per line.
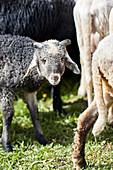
76,107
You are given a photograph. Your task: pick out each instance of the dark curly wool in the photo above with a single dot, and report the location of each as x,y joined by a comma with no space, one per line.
16,54
40,20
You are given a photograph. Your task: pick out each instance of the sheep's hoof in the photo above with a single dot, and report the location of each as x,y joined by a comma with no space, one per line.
99,126
110,124
82,92
110,120
6,147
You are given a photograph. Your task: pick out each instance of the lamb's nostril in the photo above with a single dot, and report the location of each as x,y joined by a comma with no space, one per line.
55,78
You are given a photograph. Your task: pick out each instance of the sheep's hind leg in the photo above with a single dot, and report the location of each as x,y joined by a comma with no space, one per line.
82,89
100,101
109,102
110,116
8,111
85,122
30,99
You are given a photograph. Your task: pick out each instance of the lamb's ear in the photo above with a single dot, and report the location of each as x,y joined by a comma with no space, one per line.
71,64
30,68
65,42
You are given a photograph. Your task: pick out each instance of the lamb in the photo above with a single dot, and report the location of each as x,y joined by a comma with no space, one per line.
41,20
92,25
103,82
19,56
102,68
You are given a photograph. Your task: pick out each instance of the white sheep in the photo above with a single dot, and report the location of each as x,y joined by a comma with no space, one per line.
92,24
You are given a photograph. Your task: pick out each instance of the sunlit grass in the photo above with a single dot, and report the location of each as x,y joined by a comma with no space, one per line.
58,130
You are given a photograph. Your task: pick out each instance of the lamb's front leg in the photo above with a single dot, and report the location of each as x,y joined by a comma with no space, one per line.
85,122
57,102
8,111
30,99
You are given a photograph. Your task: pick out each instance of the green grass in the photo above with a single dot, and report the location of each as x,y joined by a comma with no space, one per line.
29,154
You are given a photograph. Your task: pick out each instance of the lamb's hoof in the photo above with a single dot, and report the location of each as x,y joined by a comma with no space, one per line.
6,147
60,111
41,140
99,126
57,106
82,92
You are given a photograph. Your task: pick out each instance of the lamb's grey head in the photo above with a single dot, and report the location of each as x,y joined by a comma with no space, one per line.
50,58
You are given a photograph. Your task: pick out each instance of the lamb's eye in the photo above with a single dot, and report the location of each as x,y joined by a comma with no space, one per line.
43,61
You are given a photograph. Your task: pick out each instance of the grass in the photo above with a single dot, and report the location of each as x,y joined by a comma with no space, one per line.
29,154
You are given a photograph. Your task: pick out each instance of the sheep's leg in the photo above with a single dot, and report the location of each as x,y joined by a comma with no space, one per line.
86,27
30,99
77,20
111,21
8,111
85,122
102,108
110,116
82,87
83,27
109,99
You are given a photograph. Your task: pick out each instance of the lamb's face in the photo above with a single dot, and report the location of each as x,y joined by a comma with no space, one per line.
50,58
51,61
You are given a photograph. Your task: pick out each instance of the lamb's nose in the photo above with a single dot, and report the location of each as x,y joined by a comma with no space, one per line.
55,78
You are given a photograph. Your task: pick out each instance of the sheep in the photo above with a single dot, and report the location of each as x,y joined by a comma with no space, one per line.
41,20
92,25
103,82
18,60
102,68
